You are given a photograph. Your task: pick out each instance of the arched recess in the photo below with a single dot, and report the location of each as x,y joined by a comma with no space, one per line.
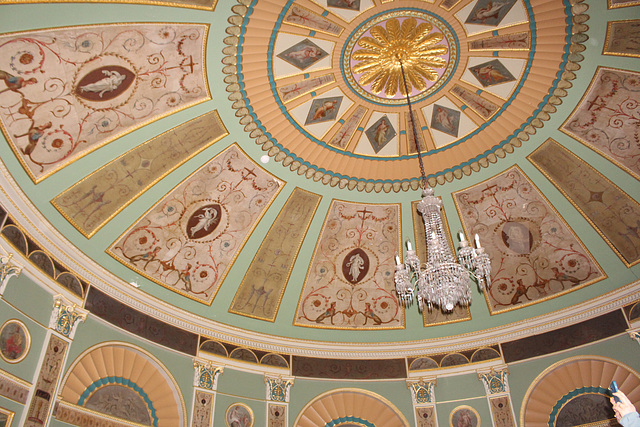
132,374
572,377
350,406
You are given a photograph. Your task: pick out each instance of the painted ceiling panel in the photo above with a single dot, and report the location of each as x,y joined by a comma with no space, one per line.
511,81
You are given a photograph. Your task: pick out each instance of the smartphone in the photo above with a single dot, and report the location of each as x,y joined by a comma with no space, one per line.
613,388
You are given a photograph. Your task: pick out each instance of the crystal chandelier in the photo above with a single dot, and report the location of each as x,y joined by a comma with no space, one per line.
442,281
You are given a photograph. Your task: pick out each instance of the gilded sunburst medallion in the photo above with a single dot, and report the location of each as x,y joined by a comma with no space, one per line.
425,45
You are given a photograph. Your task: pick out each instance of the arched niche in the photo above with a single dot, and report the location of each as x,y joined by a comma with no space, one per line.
123,381
350,406
571,380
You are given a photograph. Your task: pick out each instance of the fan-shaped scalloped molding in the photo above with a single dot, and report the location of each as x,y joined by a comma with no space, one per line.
347,405
122,363
304,166
541,402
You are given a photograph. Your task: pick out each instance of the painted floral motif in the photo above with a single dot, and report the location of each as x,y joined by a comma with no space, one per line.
188,241
534,254
351,286
66,92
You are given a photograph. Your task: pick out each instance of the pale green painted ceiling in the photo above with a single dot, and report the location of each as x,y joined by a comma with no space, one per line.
23,17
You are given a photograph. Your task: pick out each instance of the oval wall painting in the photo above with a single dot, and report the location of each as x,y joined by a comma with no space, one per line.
14,341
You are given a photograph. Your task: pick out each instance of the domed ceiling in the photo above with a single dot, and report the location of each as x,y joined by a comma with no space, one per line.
216,166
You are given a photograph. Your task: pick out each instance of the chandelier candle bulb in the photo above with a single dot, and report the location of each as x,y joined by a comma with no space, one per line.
409,247
398,260
477,239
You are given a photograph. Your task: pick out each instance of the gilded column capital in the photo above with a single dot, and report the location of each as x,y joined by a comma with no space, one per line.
65,316
206,374
278,388
422,390
7,270
495,381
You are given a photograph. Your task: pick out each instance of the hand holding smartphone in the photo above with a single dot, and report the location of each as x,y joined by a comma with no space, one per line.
614,388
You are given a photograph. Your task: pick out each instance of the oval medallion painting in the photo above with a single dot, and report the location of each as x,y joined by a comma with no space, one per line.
14,341
464,416
239,415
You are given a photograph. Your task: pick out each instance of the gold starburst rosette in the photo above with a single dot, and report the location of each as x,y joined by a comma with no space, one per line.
416,45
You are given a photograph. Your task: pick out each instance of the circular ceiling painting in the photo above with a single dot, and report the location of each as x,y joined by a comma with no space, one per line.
332,104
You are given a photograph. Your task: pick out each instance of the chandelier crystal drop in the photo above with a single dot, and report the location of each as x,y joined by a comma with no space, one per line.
441,281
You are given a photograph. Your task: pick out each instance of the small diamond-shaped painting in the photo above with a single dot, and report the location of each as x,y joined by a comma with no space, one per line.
445,120
491,73
344,4
489,12
380,133
303,54
323,110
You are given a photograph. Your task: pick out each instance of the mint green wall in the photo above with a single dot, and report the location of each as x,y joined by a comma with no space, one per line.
30,297
24,369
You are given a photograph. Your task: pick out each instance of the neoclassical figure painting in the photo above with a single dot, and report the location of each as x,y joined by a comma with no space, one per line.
445,120
351,286
14,341
606,120
303,54
491,73
464,416
489,12
611,211
239,415
188,241
380,133
65,92
123,402
534,254
323,110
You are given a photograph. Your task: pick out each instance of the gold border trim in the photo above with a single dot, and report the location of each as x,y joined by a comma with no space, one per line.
150,184
232,260
206,96
560,218
226,413
27,335
566,195
580,103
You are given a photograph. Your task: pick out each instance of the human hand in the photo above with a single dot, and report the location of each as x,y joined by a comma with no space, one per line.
623,407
